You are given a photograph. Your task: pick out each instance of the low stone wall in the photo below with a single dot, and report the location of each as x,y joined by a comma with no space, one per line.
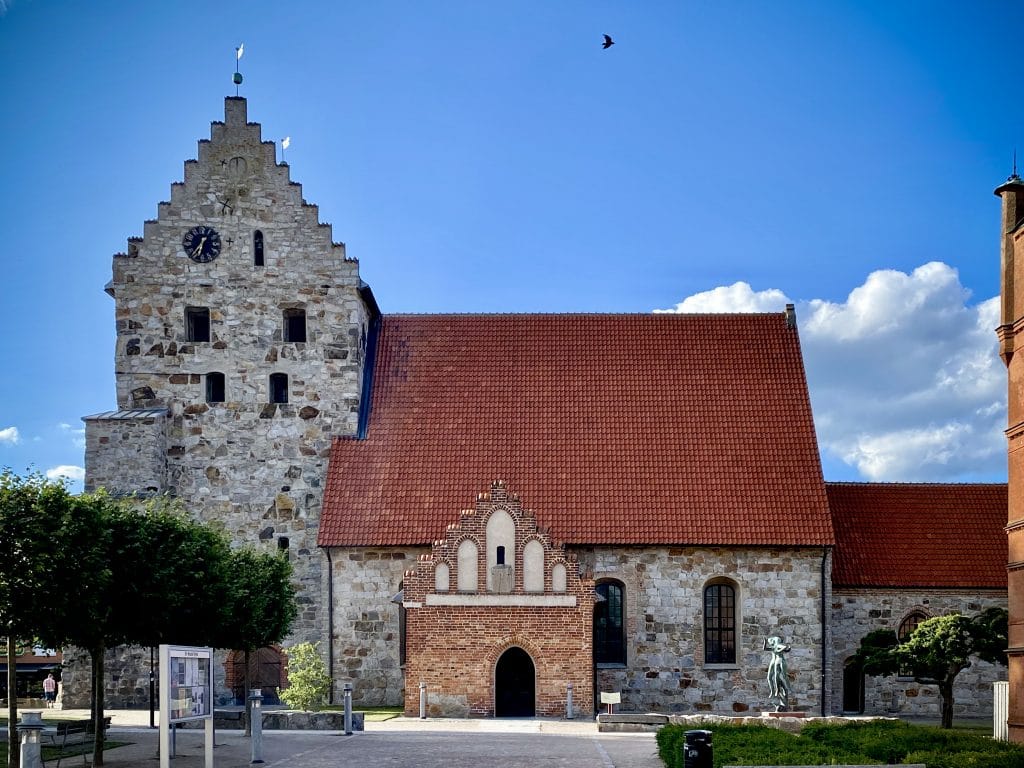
284,720
653,721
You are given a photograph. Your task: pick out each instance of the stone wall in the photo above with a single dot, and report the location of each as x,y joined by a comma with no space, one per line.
855,612
255,467
778,593
365,621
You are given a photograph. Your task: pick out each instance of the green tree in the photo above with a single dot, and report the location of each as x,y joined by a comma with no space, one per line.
260,605
308,681
937,651
32,512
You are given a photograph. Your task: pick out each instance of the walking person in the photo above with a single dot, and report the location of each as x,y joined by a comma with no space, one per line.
50,691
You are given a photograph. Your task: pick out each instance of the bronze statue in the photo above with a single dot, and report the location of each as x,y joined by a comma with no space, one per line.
778,673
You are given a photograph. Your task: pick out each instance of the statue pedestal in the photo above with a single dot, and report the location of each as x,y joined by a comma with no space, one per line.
783,714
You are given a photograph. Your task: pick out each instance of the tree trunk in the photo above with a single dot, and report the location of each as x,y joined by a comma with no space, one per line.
99,731
13,748
946,692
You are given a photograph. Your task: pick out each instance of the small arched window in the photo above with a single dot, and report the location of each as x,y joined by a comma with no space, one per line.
609,627
909,624
279,387
257,249
719,624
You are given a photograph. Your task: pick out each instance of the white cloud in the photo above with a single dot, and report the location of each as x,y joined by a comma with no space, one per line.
68,471
905,378
738,297
77,435
10,435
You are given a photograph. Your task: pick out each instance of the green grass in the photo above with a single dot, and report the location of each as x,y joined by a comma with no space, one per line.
869,743
50,753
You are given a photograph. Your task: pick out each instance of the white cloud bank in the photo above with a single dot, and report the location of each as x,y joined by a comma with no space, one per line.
10,435
905,378
66,471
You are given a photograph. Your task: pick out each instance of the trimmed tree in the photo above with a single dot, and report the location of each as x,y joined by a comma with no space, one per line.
937,651
308,681
260,605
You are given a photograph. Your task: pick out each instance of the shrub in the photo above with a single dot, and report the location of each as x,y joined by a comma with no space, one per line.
308,681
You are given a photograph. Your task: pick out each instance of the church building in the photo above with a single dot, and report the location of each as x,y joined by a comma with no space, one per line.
504,508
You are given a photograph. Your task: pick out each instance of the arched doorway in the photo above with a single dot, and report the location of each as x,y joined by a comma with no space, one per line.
514,685
853,687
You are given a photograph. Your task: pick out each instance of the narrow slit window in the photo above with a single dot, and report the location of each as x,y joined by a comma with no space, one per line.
257,249
295,325
279,387
197,323
215,388
501,556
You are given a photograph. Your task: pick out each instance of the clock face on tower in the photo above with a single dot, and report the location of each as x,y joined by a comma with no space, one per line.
202,244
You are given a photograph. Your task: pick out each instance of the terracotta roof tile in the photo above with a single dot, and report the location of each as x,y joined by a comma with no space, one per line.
613,429
919,535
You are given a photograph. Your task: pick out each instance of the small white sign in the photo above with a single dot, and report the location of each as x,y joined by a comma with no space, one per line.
611,698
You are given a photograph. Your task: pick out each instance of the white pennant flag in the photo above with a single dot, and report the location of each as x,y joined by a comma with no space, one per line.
285,142
239,50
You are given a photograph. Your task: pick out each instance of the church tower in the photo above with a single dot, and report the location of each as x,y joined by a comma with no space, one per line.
1011,341
242,332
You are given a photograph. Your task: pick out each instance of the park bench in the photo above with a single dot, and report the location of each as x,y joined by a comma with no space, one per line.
69,739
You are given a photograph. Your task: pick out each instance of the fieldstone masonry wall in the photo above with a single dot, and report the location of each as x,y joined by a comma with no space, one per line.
778,591
856,612
366,633
254,466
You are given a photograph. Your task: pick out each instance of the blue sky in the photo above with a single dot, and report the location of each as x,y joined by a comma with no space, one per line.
486,157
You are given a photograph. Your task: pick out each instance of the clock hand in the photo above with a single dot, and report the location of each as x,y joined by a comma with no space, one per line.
199,248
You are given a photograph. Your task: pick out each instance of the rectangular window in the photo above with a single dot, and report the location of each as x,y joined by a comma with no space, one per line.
197,323
279,387
215,387
295,325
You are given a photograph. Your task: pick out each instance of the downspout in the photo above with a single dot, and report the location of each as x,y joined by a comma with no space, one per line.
824,619
330,624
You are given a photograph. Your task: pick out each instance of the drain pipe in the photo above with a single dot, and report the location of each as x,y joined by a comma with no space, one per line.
330,624
824,625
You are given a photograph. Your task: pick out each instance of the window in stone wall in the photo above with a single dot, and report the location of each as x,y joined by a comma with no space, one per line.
197,323
907,627
609,627
215,387
909,624
719,624
257,249
279,387
295,325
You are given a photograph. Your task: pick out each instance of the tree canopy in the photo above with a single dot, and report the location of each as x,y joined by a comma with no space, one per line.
937,651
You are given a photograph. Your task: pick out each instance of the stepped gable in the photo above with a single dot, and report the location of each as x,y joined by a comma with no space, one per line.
919,535
619,429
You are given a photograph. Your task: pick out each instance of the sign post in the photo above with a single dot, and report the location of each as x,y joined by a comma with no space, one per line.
186,693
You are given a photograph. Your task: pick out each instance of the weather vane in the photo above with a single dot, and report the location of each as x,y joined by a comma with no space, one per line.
237,77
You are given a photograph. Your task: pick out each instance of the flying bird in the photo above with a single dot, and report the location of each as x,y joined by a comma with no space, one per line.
608,42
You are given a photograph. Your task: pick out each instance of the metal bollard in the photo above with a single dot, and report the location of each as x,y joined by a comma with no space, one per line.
569,714
256,726
348,709
30,727
423,700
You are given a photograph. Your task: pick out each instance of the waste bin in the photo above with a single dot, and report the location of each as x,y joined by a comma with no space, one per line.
697,752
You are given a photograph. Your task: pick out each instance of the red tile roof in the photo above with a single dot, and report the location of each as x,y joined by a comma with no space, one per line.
919,535
613,429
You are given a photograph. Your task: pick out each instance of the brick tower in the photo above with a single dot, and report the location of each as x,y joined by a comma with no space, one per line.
1011,340
241,336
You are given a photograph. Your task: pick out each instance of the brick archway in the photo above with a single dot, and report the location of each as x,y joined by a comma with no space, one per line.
515,684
